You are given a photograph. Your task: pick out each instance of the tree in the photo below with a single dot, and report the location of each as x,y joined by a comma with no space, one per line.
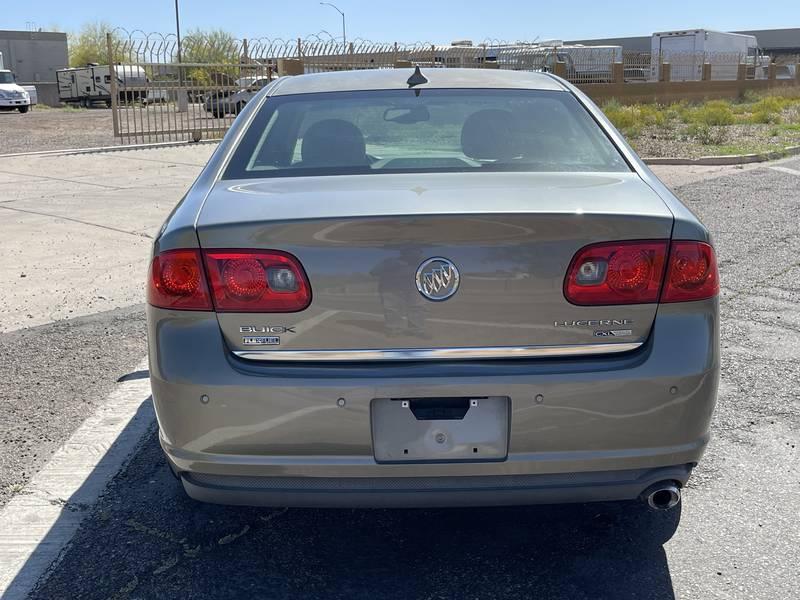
215,48
89,45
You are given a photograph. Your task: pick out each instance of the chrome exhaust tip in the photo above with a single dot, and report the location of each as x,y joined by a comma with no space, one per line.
662,496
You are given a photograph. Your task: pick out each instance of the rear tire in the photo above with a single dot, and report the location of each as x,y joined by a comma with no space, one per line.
23,109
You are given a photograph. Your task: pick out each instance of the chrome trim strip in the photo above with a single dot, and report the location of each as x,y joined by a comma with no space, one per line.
435,353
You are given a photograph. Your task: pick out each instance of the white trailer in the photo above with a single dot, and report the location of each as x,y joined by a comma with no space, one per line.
92,83
584,64
687,50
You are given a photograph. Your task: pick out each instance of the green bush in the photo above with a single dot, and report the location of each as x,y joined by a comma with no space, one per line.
706,134
766,117
630,119
768,110
715,112
652,114
625,118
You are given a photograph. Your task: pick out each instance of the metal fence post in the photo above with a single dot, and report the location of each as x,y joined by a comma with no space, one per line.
617,72
666,72
112,73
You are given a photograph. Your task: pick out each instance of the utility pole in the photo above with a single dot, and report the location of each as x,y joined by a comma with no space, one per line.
344,30
182,98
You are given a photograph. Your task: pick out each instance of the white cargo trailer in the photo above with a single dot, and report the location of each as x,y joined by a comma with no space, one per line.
92,83
686,51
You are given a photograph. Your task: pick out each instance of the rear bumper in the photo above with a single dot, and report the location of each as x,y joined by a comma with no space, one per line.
245,433
415,492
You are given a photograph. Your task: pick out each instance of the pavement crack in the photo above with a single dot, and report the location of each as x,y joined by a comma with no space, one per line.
64,180
756,285
126,590
274,515
153,532
167,564
233,536
63,218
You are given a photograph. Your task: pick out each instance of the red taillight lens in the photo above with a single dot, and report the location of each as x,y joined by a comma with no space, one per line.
256,281
692,273
616,273
177,281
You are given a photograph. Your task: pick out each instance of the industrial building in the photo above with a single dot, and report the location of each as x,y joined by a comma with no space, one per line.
35,56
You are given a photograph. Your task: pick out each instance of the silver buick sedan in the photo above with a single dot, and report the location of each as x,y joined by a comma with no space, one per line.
439,288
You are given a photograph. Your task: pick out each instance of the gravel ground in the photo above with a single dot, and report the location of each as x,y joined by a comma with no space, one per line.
730,139
54,376
55,129
738,533
66,128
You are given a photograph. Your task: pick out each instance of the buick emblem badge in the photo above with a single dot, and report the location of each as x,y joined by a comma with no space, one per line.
437,279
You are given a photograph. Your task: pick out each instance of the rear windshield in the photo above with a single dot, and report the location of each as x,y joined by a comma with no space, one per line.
440,130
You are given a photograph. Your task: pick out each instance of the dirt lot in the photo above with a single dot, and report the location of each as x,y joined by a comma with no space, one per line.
67,128
55,129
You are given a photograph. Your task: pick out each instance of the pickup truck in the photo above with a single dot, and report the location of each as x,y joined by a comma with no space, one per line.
13,96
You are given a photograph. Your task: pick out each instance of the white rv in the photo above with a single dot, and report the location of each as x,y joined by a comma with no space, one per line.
92,83
687,50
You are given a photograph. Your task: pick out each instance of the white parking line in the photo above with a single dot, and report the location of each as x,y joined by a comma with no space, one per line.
40,520
786,170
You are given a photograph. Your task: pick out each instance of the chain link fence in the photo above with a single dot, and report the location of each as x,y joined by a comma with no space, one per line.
165,91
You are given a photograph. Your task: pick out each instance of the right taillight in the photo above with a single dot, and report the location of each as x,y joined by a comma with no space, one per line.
642,272
612,273
691,273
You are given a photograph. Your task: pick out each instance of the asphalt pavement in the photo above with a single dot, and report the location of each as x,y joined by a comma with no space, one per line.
736,535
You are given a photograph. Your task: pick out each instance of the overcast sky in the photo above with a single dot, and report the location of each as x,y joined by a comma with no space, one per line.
408,20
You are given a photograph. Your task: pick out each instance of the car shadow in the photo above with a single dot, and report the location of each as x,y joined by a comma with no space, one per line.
146,539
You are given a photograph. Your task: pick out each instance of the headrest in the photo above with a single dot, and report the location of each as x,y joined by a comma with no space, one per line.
490,134
332,143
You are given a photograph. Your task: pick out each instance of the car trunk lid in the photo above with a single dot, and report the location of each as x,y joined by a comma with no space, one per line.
361,240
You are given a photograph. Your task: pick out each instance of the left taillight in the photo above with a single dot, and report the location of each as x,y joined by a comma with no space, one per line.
266,281
228,281
177,281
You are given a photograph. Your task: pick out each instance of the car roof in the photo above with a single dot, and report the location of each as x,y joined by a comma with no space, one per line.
391,79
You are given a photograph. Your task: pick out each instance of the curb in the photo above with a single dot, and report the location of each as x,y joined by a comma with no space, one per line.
733,159
103,149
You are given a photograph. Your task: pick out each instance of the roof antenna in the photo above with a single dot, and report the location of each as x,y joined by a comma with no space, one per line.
417,78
